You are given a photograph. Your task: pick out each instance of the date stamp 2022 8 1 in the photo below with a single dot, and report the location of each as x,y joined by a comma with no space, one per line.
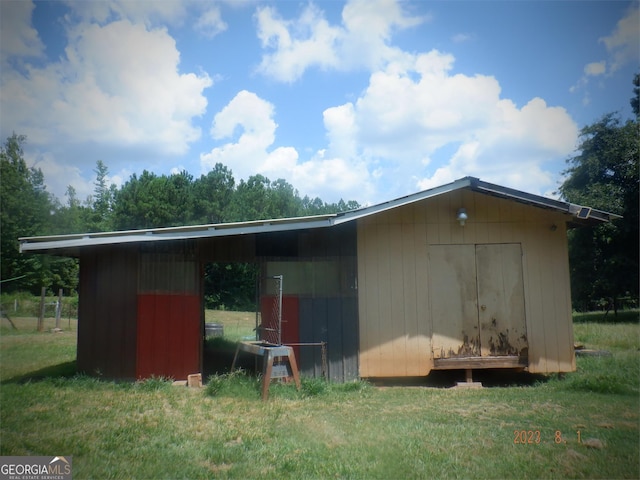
535,437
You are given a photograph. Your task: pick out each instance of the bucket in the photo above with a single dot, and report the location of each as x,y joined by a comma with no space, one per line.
213,330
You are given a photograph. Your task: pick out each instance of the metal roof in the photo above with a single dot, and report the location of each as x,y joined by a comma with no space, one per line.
69,244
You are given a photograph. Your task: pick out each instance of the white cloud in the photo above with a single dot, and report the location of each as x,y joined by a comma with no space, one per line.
624,42
424,126
461,37
362,41
314,44
59,176
210,22
595,68
416,125
17,35
118,84
172,12
623,47
248,120
341,130
253,117
333,178
117,87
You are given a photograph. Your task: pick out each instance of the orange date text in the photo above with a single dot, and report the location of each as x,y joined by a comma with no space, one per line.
526,437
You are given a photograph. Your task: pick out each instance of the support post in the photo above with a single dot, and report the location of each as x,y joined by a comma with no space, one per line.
59,309
6,315
43,291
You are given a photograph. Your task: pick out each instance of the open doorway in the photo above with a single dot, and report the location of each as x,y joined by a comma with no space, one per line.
230,310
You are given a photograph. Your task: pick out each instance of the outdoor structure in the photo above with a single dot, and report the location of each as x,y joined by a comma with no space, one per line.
464,276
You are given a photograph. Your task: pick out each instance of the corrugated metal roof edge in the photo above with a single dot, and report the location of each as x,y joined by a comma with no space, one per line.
173,233
35,244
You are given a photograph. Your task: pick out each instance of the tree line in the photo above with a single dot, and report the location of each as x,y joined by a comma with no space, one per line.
602,174
144,201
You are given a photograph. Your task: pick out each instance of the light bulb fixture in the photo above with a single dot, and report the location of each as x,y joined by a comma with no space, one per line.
462,216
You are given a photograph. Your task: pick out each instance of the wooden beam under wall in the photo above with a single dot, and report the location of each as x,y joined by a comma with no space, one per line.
465,363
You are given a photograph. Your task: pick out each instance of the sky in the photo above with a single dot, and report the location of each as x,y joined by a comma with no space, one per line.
364,100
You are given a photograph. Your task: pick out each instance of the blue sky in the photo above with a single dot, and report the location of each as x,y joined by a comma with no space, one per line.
363,100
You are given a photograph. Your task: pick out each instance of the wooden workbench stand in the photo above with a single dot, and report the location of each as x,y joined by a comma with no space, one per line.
271,352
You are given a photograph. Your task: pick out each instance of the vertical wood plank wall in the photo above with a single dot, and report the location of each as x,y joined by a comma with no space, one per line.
107,312
169,304
393,276
320,274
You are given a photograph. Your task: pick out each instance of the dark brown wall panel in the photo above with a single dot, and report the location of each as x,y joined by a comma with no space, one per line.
107,312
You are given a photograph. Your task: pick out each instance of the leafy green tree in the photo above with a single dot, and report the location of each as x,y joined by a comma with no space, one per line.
259,199
318,207
68,218
135,206
230,286
152,201
180,198
248,200
604,175
282,200
635,100
98,217
25,210
212,195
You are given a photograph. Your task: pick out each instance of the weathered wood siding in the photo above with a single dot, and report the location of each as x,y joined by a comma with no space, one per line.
170,314
319,270
107,312
239,248
395,312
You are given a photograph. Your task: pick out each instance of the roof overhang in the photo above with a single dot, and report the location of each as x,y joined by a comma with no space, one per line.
57,244
71,245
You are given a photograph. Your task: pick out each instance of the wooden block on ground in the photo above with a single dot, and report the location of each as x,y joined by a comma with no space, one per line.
468,385
194,380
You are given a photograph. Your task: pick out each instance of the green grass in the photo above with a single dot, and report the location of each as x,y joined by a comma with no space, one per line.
624,316
237,325
152,429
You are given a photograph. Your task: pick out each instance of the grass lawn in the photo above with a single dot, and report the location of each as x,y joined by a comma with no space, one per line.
584,426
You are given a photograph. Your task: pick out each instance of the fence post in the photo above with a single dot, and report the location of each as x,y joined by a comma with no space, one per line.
41,317
59,309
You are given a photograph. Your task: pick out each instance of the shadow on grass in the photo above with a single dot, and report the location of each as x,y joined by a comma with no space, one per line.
449,378
219,352
62,370
218,356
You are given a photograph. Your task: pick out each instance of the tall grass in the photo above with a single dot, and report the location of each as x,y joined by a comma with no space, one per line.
614,337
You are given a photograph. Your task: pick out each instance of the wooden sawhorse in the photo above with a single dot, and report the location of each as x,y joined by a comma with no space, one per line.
270,352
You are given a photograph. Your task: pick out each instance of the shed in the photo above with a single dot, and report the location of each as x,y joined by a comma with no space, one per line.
467,275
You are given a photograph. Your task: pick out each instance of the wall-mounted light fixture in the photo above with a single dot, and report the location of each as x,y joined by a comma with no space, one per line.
462,216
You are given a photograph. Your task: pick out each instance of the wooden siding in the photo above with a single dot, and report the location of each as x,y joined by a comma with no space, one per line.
107,312
320,274
240,248
477,300
169,336
329,320
170,316
395,314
